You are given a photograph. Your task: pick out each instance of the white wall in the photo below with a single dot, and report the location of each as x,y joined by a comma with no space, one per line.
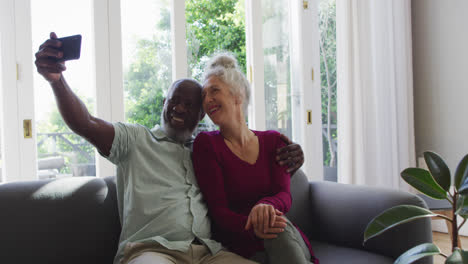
440,66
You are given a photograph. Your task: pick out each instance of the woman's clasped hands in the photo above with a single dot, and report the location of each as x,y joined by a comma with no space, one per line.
266,221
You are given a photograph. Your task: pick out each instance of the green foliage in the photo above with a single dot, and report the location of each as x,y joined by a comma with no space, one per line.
438,169
429,183
423,181
394,216
461,174
147,80
458,256
214,26
418,252
327,29
149,75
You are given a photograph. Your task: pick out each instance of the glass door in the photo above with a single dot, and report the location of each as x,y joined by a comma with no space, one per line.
146,58
277,68
284,68
213,27
327,28
60,152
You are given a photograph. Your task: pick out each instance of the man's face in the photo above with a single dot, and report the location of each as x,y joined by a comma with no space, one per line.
182,109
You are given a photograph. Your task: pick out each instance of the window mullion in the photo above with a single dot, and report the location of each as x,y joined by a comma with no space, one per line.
255,64
10,115
179,45
108,70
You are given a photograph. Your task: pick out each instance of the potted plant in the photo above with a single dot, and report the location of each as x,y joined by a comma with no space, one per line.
435,183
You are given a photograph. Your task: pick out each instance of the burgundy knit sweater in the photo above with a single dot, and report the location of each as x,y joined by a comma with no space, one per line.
231,187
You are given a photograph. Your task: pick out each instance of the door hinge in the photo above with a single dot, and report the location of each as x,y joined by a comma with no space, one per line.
312,74
305,4
17,71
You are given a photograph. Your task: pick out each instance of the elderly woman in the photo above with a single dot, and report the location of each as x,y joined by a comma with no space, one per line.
245,189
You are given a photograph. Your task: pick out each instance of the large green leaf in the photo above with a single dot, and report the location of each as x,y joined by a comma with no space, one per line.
422,180
394,216
461,174
462,206
458,257
439,170
419,251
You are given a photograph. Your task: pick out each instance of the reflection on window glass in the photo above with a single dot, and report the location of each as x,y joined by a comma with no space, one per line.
327,29
213,27
276,57
62,153
147,58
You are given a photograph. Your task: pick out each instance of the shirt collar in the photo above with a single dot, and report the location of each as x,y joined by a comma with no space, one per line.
160,134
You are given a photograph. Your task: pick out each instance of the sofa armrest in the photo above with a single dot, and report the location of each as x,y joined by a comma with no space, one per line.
341,213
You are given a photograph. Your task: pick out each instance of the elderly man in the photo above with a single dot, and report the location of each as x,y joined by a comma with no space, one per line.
164,218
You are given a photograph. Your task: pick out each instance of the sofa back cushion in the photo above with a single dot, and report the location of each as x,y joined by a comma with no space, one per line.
72,220
300,212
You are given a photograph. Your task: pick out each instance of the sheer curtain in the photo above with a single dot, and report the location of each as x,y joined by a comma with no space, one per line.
375,92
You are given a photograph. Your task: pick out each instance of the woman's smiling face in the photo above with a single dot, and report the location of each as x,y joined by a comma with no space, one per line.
218,101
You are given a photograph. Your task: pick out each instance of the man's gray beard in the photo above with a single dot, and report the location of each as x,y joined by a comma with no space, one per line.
178,136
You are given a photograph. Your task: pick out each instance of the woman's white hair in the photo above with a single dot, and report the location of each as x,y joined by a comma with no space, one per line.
225,67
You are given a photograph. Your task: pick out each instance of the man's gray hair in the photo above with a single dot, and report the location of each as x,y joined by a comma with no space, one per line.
225,67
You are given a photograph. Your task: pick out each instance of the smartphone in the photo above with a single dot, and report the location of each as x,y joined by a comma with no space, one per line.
71,47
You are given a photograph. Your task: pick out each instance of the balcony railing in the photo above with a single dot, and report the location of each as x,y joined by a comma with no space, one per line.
64,156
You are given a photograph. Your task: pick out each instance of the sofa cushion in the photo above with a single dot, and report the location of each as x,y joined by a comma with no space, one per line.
72,220
328,253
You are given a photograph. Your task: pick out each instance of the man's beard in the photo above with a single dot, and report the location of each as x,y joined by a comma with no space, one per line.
177,135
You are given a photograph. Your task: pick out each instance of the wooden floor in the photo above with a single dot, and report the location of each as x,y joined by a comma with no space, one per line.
442,240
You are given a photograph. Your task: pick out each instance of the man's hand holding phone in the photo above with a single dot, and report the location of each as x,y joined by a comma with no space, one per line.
50,59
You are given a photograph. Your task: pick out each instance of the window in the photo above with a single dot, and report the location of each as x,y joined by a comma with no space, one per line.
146,58
277,85
60,152
327,27
212,29
128,52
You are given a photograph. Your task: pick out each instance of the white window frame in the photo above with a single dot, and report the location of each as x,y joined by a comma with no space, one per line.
178,38
18,94
108,70
255,63
306,57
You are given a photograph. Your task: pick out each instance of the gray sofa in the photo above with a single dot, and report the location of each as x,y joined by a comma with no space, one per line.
75,220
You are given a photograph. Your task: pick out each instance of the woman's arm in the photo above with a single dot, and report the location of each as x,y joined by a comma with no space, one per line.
211,182
280,179
264,214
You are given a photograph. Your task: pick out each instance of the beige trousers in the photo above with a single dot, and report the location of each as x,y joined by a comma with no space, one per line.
144,253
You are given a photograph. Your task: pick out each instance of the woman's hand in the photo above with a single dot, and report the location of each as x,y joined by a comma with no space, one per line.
266,221
272,232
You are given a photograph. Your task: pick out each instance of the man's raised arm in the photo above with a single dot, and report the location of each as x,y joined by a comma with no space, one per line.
98,132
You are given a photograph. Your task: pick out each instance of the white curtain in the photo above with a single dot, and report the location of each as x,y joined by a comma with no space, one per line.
375,92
